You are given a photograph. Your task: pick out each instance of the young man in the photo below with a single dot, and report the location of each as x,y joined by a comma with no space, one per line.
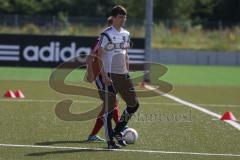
93,70
115,78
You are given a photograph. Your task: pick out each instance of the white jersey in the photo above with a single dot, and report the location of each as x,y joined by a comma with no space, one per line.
115,44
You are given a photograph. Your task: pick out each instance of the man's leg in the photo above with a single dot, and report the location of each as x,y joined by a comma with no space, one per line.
93,137
116,112
98,125
126,89
108,95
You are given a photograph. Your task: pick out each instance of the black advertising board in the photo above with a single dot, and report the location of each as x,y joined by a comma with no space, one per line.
50,51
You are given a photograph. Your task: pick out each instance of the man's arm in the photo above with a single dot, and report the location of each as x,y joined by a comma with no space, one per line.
89,74
127,58
127,61
106,79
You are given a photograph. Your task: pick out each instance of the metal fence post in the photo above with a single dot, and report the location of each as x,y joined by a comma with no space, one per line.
148,38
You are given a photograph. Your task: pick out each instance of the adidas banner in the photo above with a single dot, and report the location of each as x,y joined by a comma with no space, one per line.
50,51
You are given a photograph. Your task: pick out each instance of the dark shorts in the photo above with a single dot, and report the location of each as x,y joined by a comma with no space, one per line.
123,85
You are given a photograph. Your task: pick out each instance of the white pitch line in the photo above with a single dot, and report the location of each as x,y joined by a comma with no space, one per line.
93,101
122,150
208,105
176,99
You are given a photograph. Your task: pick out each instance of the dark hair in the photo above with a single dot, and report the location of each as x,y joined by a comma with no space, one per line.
118,9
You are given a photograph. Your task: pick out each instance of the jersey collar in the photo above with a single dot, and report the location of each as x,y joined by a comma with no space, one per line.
116,29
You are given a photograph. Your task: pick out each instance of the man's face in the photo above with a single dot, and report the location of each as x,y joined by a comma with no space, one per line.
120,20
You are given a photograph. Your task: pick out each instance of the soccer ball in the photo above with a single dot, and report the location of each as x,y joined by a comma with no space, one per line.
130,135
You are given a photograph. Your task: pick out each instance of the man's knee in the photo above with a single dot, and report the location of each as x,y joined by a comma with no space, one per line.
133,108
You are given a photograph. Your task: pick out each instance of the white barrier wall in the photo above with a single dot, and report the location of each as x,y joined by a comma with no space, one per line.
195,57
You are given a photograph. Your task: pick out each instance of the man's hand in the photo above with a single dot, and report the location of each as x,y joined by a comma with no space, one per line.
106,79
90,77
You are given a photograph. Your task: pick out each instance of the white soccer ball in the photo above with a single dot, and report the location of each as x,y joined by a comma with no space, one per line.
130,135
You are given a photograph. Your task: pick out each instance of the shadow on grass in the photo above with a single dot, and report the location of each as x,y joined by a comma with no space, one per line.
60,142
66,150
